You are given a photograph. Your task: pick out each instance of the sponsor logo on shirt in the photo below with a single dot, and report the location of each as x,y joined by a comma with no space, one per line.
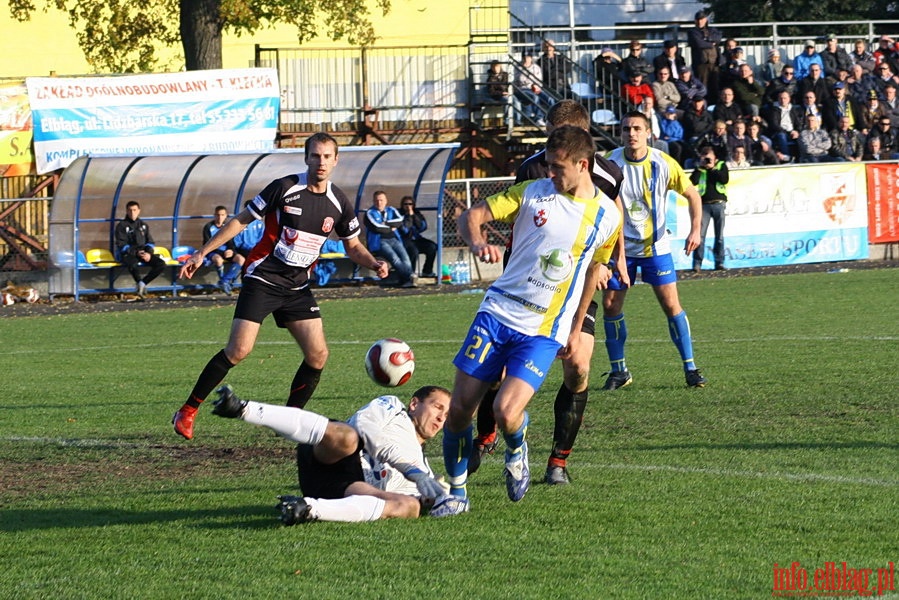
293,210
354,224
556,264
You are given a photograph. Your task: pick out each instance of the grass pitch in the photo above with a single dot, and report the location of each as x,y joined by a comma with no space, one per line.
791,454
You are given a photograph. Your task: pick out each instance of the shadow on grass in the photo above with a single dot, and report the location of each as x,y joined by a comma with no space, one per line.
237,517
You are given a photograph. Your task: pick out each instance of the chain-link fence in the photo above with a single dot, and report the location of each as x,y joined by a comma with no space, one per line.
459,194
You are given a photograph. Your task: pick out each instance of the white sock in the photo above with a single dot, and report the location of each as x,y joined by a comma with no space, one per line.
292,423
352,509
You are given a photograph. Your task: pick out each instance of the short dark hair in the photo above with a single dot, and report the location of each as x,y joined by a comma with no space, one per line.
320,138
636,114
575,142
132,203
568,112
426,390
220,207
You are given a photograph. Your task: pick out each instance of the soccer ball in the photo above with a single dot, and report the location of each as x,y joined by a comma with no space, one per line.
390,362
7,299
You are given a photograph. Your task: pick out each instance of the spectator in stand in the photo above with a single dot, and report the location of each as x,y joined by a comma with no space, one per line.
497,82
648,108
814,143
736,59
635,90
862,56
805,60
772,68
889,142
608,68
717,139
738,160
555,69
784,122
813,82
883,76
414,225
891,103
834,58
697,121
704,40
727,110
846,142
664,91
636,62
529,91
872,149
689,89
671,58
872,113
860,84
748,92
762,147
785,82
810,105
841,104
886,52
672,133
737,138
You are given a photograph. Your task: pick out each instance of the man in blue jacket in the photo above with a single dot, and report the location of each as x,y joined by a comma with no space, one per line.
381,224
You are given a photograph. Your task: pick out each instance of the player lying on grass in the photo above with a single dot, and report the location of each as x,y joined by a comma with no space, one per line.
370,467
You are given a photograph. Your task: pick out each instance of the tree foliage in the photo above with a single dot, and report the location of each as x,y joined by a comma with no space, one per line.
784,11
124,36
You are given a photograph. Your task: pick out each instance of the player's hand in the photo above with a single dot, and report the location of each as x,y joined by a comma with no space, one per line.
574,342
691,243
621,270
604,275
383,269
191,265
487,253
427,486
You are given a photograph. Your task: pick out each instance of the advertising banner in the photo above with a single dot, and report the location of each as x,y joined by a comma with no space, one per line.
195,111
787,215
883,202
16,157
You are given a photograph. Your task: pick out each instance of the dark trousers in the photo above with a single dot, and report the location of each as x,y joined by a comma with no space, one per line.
132,262
421,246
711,212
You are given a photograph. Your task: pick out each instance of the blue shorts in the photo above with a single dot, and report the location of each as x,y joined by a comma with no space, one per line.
490,346
654,270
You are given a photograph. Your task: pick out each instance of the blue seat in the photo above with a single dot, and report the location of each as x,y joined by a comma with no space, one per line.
179,251
82,261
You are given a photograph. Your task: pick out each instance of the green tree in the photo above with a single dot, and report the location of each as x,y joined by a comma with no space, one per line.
780,11
123,36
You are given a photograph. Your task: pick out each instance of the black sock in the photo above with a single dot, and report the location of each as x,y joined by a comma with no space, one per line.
569,411
303,386
213,374
486,421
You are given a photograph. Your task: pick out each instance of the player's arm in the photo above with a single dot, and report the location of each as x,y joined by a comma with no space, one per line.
360,255
594,272
470,223
225,234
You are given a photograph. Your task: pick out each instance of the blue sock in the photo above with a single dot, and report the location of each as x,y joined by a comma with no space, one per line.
232,273
616,334
515,440
456,450
679,328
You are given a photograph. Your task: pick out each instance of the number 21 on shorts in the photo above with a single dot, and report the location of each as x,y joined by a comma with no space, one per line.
477,350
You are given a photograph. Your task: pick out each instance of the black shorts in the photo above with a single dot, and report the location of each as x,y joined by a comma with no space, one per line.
589,325
258,300
318,480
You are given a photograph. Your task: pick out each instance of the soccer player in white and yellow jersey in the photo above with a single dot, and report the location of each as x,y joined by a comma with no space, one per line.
649,175
564,230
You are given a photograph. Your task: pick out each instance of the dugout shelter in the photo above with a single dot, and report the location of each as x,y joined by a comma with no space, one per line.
179,192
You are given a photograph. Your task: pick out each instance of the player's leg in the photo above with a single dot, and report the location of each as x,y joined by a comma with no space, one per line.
571,401
529,361
678,325
485,441
310,335
468,392
240,343
615,329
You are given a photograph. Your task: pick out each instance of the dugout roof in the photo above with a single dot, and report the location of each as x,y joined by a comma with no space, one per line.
178,193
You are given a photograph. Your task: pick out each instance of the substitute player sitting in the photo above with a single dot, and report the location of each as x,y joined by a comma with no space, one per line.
564,229
368,468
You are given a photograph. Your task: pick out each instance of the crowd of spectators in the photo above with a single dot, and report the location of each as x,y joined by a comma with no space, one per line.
828,103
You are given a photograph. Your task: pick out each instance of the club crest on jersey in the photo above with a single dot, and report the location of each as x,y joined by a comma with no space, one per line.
540,217
290,236
328,225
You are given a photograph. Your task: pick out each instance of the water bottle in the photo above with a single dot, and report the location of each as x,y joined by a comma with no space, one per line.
454,273
466,272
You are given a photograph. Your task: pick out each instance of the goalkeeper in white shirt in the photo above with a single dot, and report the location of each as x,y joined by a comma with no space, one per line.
370,467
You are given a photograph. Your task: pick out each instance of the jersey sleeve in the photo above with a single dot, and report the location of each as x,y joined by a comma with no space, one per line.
388,434
678,179
266,200
505,205
613,222
348,227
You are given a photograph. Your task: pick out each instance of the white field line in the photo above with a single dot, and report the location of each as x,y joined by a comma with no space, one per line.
288,342
715,472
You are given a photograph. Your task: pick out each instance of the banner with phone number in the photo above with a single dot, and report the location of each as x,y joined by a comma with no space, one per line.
196,111
785,215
